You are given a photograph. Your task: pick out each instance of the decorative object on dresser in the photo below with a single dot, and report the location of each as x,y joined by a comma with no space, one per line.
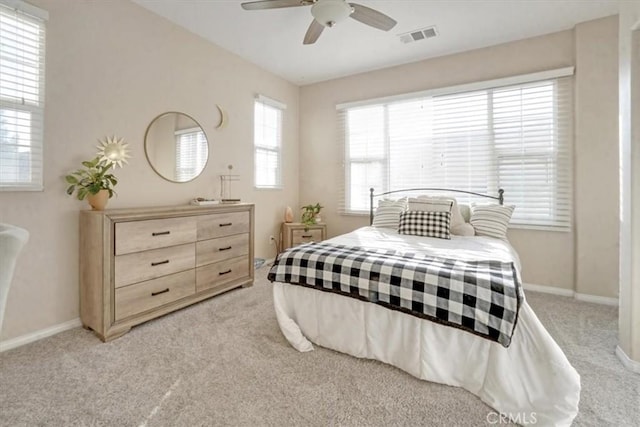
225,186
296,233
93,181
138,264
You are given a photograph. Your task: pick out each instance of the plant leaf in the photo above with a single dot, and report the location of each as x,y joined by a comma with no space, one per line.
82,193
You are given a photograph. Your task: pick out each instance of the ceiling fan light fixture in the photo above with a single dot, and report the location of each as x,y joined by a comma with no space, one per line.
330,12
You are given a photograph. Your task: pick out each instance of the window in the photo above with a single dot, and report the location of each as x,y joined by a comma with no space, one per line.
191,153
22,44
268,141
515,137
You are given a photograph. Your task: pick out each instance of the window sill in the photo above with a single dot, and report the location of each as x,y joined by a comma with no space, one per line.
21,189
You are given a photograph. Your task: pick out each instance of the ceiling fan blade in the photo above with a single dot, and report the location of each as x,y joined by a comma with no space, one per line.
314,31
372,17
274,4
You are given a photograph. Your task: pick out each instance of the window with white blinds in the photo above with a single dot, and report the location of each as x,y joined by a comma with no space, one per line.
191,153
516,137
268,142
22,53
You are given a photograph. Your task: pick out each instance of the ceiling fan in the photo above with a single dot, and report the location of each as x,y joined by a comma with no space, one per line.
327,13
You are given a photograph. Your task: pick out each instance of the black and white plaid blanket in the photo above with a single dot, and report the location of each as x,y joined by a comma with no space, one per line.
482,297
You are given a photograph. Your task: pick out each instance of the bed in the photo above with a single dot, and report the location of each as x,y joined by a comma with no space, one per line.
526,376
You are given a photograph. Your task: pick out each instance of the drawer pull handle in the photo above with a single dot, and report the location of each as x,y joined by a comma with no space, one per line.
226,224
224,249
153,294
160,233
307,236
222,273
153,264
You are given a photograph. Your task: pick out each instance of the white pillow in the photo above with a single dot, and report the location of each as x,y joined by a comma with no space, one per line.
457,220
387,214
491,220
465,229
465,210
430,204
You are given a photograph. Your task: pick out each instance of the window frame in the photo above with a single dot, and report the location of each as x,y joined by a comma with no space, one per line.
258,148
35,109
554,221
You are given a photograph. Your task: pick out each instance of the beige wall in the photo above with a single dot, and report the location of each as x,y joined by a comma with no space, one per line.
629,109
112,67
548,258
596,182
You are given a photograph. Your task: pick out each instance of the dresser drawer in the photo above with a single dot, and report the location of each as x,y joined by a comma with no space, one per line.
215,250
221,273
139,266
135,236
301,236
224,224
138,298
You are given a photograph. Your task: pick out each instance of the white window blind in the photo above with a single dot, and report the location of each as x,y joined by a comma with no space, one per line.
191,153
22,53
268,141
515,137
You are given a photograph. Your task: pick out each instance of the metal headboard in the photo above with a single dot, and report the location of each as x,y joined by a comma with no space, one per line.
499,197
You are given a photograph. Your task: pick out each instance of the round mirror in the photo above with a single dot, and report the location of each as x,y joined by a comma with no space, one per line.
176,147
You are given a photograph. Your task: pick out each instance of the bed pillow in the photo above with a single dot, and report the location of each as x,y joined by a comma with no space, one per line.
387,214
491,220
430,204
458,222
465,211
465,229
422,223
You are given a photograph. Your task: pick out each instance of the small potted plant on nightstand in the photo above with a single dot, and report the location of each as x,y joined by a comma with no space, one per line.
311,214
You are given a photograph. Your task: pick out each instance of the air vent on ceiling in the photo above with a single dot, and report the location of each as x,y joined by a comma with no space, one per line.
417,35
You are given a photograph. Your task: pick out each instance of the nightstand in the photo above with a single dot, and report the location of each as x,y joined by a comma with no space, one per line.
296,233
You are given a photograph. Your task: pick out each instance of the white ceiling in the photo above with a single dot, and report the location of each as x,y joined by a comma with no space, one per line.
272,38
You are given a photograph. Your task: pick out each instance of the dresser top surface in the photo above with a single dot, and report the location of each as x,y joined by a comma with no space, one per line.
171,210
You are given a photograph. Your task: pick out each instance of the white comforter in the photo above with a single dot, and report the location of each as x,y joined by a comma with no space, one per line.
531,380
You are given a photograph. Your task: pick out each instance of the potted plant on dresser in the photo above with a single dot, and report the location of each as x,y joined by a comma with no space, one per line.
93,181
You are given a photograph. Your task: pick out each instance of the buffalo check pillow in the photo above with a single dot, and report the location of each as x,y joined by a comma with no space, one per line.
491,220
429,224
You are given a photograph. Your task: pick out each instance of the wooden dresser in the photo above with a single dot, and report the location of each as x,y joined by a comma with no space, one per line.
138,264
296,233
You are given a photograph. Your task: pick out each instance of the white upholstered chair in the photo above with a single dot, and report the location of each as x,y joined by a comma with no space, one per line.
12,239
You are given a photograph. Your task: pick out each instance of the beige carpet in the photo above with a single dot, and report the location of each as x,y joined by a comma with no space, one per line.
224,362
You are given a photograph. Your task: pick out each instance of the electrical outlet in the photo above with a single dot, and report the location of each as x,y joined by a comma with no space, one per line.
272,240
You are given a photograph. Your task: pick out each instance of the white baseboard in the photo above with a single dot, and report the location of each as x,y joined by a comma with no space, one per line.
548,289
38,335
627,362
596,299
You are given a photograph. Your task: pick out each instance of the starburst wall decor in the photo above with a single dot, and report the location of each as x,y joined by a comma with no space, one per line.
114,150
